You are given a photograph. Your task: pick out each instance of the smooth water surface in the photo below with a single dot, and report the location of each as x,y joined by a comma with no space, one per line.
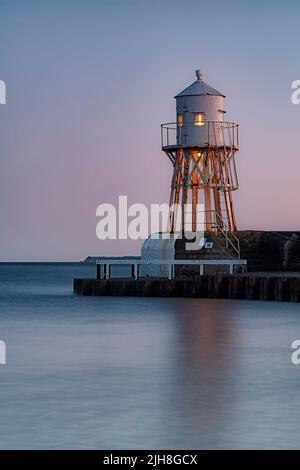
86,372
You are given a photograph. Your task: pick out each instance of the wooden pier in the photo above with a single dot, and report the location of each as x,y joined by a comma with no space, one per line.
272,286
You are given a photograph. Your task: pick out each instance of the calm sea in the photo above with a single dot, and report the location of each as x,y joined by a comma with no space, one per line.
87,372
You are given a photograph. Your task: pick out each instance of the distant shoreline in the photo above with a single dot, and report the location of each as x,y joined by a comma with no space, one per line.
93,259
87,260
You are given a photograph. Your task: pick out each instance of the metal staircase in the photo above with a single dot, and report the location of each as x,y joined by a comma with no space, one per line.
226,237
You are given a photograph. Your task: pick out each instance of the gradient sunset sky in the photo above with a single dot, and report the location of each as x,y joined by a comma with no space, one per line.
88,85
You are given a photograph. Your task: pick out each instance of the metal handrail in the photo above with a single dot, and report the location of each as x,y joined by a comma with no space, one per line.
225,124
217,224
224,229
105,272
171,129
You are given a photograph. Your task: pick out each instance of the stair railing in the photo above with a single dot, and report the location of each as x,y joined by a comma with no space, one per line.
230,239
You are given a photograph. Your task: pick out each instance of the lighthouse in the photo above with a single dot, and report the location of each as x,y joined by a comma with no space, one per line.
201,146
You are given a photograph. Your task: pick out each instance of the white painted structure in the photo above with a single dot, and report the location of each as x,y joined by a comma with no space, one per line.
157,248
196,106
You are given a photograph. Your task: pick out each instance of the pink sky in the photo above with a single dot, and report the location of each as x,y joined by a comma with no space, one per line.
87,89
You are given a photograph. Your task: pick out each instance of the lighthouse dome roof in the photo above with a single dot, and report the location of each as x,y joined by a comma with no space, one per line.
199,87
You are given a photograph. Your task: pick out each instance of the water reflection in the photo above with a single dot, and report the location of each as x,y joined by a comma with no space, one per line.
202,369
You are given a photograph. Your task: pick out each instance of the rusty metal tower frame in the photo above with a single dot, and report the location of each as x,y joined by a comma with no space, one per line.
208,169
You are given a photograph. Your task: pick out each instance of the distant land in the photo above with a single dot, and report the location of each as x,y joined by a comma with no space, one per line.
93,259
